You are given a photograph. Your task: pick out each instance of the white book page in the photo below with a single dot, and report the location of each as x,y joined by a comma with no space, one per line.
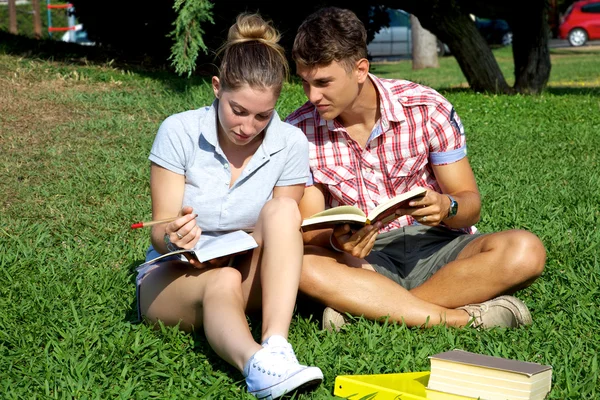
229,243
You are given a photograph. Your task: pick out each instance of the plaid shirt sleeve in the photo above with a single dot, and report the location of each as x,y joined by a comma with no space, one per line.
447,142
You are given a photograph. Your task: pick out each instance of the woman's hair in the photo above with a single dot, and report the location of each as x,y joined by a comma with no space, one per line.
252,55
330,34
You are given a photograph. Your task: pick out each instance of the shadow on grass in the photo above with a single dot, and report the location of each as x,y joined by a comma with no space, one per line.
554,90
571,91
74,54
132,315
569,51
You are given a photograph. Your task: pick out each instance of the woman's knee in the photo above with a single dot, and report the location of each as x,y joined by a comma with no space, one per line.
281,209
223,281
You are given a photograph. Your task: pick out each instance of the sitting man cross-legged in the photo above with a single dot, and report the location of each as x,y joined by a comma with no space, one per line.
371,139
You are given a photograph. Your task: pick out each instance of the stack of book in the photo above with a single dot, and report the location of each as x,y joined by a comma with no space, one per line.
463,373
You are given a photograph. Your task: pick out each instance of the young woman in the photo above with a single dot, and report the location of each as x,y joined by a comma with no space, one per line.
229,166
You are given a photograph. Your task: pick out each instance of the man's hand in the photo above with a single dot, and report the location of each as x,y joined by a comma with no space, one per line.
430,210
357,243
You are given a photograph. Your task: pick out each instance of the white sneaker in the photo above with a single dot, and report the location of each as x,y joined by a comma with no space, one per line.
279,345
274,371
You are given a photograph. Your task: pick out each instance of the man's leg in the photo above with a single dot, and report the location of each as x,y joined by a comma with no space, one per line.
348,284
490,265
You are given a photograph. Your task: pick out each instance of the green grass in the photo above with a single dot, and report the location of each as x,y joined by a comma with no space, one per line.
74,141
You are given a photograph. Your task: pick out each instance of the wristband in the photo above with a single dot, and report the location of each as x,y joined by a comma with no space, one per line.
333,245
170,245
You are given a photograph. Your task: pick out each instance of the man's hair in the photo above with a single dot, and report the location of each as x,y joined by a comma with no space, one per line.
330,34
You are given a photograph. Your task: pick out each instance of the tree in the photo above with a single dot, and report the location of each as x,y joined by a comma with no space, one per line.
37,20
424,46
12,17
188,34
449,20
135,28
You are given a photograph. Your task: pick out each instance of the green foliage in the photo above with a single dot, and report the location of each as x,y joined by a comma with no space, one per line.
188,34
25,19
75,175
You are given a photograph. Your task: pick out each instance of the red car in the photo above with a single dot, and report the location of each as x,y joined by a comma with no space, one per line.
581,22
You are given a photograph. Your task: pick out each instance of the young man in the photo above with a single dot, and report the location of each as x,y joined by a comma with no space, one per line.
371,139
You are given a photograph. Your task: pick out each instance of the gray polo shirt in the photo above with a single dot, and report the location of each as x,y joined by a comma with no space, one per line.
187,144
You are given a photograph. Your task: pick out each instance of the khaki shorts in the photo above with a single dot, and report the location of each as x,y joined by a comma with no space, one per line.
410,255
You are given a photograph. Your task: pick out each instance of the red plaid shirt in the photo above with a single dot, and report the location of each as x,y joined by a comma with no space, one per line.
418,127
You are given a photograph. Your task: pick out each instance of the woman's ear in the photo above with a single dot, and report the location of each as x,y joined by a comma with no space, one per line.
216,85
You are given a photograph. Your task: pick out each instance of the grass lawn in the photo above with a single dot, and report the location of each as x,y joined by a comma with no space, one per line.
74,142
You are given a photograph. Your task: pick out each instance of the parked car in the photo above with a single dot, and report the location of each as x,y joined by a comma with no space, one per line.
581,22
395,41
78,35
494,31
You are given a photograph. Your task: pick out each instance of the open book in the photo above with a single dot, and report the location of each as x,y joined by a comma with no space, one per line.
385,212
219,246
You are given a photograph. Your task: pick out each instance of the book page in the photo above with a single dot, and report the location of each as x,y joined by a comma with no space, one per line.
229,243
188,253
340,210
389,207
331,221
334,216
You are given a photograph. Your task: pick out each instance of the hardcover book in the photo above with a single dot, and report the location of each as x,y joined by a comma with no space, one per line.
487,377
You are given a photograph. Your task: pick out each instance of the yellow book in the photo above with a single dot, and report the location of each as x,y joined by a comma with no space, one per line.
405,386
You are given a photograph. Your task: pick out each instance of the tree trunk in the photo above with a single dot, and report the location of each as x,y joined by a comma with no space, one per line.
530,49
37,20
424,46
449,21
12,17
531,32
453,26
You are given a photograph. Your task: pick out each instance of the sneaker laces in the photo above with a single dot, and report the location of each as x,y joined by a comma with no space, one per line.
475,312
277,345
265,364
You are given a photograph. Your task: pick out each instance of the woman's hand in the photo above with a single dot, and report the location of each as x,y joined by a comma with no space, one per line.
184,232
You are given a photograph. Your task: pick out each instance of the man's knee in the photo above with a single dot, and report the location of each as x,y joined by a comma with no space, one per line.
526,255
316,272
310,276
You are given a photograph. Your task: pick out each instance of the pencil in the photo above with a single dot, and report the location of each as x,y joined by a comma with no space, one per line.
150,223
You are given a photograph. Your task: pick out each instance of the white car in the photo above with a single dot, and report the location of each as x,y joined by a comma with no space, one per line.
395,41
78,35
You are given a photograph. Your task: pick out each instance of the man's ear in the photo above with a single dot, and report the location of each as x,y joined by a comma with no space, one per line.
216,85
362,70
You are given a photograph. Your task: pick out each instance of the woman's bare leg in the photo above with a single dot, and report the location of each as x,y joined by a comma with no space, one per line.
274,284
177,294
